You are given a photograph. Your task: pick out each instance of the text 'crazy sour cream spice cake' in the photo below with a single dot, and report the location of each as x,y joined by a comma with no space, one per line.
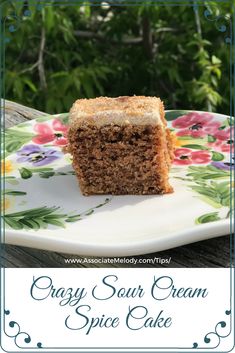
120,145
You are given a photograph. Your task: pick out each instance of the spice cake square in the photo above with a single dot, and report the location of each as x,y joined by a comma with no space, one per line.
120,145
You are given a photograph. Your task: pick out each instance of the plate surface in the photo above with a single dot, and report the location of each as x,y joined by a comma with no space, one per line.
44,207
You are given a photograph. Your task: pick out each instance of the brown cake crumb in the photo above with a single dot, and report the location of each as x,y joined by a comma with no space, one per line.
120,145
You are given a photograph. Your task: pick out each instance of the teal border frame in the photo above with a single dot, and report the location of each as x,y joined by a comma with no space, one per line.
194,347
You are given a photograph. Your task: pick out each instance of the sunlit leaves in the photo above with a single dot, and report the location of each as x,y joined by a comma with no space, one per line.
187,71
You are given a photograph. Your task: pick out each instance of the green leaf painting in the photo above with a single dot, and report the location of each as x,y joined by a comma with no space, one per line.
207,172
208,217
44,118
14,139
42,217
216,156
64,118
25,173
13,193
173,114
195,147
45,173
211,138
216,193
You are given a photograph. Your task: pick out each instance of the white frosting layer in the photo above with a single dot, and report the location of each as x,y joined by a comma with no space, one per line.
117,111
117,117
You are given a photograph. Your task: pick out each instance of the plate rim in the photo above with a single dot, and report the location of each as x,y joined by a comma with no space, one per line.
196,233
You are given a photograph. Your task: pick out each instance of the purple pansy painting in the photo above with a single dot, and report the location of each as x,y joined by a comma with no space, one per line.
38,155
223,165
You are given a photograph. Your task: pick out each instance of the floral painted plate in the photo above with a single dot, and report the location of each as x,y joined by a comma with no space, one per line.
44,207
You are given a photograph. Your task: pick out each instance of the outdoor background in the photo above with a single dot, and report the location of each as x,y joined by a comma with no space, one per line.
57,54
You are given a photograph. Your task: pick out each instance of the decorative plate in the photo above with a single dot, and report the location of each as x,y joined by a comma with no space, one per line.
44,207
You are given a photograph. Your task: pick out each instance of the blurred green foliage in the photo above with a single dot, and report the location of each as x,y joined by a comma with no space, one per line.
57,54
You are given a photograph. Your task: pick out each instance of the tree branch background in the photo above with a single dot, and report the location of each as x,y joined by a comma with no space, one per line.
62,53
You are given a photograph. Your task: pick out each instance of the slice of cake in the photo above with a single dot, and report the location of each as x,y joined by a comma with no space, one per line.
120,145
